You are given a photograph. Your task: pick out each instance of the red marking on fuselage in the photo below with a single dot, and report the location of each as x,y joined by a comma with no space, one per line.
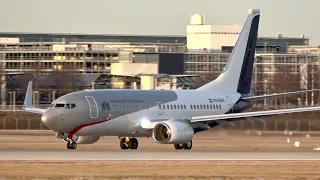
76,129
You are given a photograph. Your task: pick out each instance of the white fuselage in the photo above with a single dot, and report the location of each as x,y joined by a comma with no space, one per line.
128,108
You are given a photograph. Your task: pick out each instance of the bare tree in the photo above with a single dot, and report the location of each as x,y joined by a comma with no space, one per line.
65,78
285,80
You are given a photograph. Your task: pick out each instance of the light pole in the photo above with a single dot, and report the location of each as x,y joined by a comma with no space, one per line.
312,84
265,91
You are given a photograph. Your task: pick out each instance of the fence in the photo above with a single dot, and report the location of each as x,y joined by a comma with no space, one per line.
13,117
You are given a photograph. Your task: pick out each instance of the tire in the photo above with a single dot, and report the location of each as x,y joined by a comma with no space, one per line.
72,145
187,145
123,143
133,143
177,146
68,145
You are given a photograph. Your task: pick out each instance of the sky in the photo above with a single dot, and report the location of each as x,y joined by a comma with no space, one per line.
149,17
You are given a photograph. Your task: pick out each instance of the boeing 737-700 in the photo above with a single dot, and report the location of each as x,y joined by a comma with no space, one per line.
168,116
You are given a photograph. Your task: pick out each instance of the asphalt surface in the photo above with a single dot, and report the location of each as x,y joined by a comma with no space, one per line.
169,155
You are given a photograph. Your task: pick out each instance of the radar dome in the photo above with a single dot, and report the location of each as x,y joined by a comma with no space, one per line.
196,19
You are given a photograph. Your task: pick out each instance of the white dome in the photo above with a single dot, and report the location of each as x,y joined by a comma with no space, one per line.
196,19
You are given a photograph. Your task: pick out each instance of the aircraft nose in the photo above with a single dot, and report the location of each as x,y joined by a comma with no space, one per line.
49,120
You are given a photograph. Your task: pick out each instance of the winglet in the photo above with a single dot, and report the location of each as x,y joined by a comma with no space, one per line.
28,99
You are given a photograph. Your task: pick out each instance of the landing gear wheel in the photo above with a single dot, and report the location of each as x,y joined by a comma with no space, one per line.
133,143
71,145
187,145
123,143
177,146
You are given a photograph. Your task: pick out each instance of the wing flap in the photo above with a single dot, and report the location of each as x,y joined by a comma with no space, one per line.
251,114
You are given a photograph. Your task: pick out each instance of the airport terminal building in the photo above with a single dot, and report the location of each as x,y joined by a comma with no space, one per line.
84,61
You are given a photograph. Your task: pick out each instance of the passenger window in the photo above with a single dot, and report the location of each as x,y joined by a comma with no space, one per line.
174,106
198,106
190,106
217,106
178,106
214,107
194,107
207,106
185,107
171,106
210,106
164,106
220,106
168,106
204,106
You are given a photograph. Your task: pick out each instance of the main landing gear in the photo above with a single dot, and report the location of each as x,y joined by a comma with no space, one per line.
129,143
186,146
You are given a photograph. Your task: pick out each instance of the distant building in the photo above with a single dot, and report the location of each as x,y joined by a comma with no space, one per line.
209,38
203,37
124,61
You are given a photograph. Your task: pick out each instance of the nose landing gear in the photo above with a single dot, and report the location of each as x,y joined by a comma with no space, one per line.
71,142
129,143
71,145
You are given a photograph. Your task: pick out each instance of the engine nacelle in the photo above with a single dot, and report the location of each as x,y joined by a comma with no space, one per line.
172,132
87,139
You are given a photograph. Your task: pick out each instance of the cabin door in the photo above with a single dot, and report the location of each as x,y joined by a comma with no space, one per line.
93,106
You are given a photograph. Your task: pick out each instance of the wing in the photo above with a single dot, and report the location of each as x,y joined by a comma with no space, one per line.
27,105
35,110
254,98
251,114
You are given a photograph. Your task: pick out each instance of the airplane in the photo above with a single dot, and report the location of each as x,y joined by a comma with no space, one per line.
168,116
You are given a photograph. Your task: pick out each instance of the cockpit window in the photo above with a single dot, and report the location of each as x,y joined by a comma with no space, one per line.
70,105
59,105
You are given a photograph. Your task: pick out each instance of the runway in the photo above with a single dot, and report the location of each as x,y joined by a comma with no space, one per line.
141,155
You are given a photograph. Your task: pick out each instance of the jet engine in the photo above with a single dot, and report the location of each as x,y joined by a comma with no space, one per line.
172,132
